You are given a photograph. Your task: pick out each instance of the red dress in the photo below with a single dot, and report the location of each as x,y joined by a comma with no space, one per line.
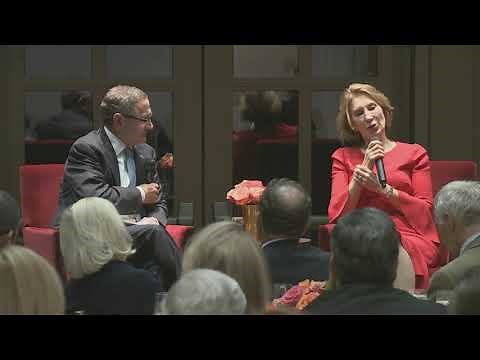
407,167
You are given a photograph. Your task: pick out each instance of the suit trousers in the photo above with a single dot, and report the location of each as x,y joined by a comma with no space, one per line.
155,251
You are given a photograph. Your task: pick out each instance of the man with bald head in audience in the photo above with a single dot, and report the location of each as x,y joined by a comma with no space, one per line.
285,209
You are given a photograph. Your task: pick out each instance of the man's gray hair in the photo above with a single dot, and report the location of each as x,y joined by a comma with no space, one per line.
205,292
460,200
122,99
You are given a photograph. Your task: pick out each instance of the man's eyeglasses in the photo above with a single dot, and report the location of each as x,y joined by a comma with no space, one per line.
138,118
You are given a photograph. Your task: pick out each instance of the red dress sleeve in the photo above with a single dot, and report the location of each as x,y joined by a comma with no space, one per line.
417,206
340,181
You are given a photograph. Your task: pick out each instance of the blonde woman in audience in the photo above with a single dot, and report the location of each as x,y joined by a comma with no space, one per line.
30,285
224,246
94,244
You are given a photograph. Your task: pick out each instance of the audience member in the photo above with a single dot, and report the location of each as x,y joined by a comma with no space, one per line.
205,292
94,244
285,208
365,248
457,214
30,285
224,246
73,121
271,113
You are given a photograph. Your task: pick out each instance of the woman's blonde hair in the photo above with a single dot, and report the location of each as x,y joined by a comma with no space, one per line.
92,234
348,136
224,246
30,285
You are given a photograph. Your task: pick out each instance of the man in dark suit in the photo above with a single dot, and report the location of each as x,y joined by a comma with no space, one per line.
116,164
457,216
285,209
365,247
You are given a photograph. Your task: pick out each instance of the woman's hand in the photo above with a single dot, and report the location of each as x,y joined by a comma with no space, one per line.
373,152
367,178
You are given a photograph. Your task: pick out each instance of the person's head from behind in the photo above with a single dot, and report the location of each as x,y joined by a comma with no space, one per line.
9,218
262,108
30,285
364,113
365,248
205,292
465,298
224,246
126,112
285,209
77,101
91,235
457,208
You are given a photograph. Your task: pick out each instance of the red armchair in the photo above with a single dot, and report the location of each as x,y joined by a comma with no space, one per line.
39,188
442,172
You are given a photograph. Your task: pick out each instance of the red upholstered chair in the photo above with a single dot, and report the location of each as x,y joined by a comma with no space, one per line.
442,172
39,187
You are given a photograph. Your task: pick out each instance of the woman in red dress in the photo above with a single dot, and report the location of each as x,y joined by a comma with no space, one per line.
364,115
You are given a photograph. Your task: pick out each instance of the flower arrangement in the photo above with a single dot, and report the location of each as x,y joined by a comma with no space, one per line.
248,192
300,295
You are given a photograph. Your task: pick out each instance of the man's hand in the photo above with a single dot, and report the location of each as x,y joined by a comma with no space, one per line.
152,192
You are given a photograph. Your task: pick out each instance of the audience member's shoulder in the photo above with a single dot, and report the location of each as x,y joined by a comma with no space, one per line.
421,306
137,278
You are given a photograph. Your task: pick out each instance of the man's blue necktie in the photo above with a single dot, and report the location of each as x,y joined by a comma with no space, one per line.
131,167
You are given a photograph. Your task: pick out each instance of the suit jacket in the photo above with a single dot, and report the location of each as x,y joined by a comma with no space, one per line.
290,262
445,279
366,299
91,169
117,288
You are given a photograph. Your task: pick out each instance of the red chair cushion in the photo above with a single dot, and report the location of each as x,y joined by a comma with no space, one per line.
43,241
40,186
179,233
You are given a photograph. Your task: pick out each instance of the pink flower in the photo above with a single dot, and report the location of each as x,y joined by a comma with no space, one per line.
300,295
248,192
292,296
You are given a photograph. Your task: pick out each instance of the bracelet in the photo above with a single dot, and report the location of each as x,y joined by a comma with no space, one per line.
389,191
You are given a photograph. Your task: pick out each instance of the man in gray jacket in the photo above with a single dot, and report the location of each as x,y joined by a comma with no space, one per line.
457,214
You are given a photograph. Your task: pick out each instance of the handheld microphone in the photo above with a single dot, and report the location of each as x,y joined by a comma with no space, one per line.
382,177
